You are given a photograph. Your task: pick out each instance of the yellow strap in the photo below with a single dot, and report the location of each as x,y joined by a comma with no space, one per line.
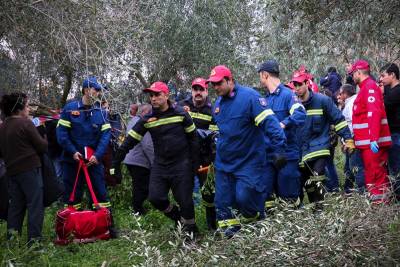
213,127
190,129
295,106
164,121
135,135
318,153
269,204
260,117
311,112
201,116
105,126
227,223
64,123
251,219
340,126
103,204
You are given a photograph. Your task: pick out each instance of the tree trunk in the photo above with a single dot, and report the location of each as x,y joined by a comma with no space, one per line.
69,73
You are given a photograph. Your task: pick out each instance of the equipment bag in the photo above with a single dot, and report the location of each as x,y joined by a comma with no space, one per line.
85,226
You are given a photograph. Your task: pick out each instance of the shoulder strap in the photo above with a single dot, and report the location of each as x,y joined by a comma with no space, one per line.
82,165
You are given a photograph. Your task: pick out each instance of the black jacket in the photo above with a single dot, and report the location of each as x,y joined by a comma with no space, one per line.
174,137
202,116
392,106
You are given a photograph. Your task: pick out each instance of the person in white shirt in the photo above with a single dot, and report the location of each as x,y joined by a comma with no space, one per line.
354,167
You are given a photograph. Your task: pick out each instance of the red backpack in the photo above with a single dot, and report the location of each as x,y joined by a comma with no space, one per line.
85,226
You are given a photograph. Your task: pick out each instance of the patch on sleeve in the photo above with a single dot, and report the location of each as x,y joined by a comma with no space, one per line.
371,99
263,101
371,91
75,113
216,110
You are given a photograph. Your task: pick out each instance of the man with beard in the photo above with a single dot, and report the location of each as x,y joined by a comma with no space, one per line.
175,156
198,105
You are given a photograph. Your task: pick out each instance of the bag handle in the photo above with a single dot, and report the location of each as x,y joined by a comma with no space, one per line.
82,165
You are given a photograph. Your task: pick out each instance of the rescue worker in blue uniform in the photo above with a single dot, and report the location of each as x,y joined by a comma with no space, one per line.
243,120
315,139
291,114
175,156
83,123
198,105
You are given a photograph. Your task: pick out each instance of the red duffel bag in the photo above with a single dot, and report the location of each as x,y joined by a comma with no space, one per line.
82,226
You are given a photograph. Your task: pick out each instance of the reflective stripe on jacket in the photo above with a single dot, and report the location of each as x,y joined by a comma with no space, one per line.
243,120
314,135
289,111
81,126
369,117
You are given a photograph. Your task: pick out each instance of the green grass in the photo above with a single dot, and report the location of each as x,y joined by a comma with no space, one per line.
348,232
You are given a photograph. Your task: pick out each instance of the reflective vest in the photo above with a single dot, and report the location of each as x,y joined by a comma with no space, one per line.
81,126
201,116
314,135
369,117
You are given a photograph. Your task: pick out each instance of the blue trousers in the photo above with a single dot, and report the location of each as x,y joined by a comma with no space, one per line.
332,182
286,181
354,172
242,190
356,165
394,162
96,173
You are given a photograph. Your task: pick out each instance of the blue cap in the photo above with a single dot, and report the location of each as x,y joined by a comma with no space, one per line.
91,82
270,66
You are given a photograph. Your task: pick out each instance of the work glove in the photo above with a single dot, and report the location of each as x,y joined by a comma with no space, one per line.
374,147
349,146
279,161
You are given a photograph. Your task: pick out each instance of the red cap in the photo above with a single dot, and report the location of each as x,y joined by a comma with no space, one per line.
218,73
157,87
359,65
299,77
201,82
290,85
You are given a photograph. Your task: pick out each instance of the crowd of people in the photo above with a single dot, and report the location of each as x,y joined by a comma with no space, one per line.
252,151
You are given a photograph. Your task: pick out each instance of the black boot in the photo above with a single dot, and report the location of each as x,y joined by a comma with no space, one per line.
211,218
190,232
173,214
113,230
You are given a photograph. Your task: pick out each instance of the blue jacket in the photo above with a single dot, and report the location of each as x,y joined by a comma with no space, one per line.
289,111
314,135
243,119
332,81
80,126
